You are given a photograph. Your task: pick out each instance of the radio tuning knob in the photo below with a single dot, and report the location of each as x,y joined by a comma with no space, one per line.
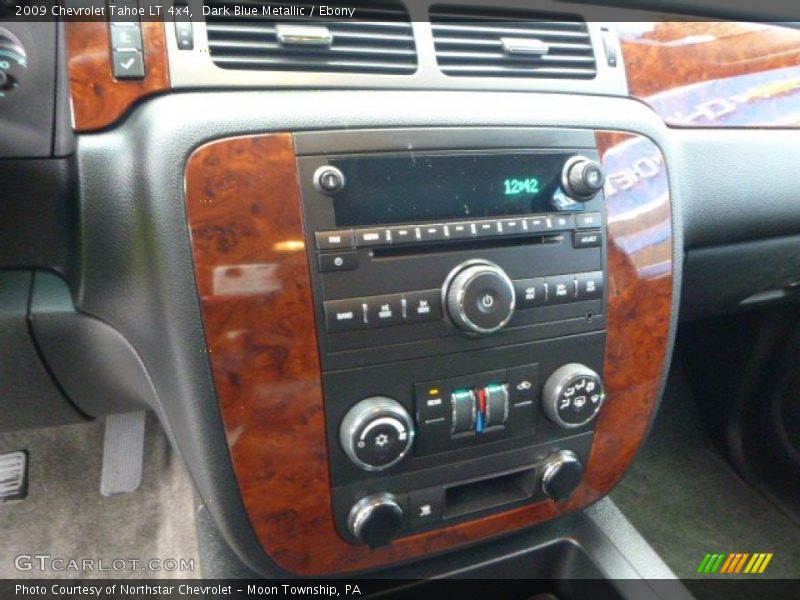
573,395
480,297
582,178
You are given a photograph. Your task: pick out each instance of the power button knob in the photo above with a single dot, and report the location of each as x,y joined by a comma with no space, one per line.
329,180
480,297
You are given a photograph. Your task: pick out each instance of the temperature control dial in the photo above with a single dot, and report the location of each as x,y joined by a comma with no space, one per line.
13,62
375,519
573,395
376,433
562,475
582,178
480,297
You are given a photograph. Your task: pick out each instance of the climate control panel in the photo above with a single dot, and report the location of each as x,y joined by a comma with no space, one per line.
409,452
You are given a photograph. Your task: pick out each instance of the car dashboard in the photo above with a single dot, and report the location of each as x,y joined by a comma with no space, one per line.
397,287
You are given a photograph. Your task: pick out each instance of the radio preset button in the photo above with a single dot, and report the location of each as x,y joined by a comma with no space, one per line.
530,292
335,240
341,261
432,233
487,228
587,239
588,220
560,289
403,234
590,285
539,225
344,315
372,237
460,231
423,306
514,226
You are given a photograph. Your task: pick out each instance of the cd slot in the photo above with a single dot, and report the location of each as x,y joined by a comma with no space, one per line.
456,245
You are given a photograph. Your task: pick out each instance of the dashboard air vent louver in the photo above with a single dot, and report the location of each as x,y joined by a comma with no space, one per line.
377,39
488,42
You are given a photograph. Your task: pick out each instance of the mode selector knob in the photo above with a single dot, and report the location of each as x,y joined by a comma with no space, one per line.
573,395
376,433
582,178
375,519
479,297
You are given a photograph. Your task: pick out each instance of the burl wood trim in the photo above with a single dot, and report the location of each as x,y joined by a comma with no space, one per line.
243,206
671,56
98,99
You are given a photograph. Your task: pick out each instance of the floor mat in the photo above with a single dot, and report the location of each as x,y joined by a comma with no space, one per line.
687,501
66,517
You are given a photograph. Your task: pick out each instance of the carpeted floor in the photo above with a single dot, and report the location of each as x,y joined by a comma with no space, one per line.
687,501
65,516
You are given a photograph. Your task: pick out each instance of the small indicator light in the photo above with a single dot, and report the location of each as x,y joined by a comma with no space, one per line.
433,392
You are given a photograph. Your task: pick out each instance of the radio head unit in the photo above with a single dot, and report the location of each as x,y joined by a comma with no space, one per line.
460,302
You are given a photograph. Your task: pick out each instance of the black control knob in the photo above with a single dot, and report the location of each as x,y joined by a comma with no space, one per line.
573,395
329,180
562,475
582,178
13,62
376,433
376,519
479,297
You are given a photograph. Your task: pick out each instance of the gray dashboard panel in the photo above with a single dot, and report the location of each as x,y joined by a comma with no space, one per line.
136,271
743,184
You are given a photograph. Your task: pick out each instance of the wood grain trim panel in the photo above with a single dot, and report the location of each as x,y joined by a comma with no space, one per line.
98,99
244,212
715,74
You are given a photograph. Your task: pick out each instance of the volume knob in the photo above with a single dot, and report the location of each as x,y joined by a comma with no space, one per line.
480,297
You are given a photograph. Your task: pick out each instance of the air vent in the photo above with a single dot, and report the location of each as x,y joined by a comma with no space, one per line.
377,39
487,42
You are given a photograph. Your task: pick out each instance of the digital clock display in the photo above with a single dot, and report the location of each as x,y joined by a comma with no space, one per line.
434,187
516,187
